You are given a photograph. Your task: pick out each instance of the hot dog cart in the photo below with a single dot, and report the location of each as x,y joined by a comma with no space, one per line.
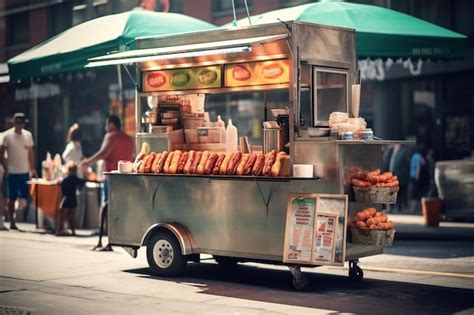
245,218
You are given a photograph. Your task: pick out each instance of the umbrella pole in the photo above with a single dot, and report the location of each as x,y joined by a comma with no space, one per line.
121,98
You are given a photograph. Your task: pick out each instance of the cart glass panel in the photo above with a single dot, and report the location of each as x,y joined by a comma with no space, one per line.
330,94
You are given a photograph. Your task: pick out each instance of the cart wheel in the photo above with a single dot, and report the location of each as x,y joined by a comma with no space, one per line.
164,255
301,283
356,273
225,261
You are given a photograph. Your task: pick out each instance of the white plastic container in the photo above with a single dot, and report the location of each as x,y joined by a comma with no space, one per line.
221,125
232,136
303,170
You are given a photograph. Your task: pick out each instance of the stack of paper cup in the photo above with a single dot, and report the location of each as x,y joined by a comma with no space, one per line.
355,100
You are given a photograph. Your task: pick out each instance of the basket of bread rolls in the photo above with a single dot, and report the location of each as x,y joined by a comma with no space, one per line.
375,187
372,227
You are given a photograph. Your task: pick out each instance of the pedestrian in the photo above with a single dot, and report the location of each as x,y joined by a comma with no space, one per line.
399,164
18,145
419,177
73,150
3,194
116,146
68,207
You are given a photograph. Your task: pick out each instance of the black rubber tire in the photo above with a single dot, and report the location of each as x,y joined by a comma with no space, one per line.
300,285
356,274
178,263
227,262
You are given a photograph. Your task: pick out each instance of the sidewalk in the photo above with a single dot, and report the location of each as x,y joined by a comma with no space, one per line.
411,227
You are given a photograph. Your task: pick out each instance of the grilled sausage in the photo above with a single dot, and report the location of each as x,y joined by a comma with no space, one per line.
208,168
189,162
249,165
161,163
182,162
234,162
149,162
194,165
269,160
258,166
156,161
218,164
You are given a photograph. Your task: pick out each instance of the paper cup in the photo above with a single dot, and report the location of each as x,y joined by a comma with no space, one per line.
355,100
303,170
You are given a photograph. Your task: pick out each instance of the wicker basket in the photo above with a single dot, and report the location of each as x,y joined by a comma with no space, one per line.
376,195
373,237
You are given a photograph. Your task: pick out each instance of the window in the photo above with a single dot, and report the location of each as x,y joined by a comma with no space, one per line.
17,29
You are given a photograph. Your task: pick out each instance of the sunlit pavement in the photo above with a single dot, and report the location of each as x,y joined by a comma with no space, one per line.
45,274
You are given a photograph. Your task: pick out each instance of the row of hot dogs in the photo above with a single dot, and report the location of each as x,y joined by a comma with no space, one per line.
209,163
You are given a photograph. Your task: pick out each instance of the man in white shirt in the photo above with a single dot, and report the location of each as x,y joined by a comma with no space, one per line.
19,165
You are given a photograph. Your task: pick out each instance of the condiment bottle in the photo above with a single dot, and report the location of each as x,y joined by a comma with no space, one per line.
222,132
231,137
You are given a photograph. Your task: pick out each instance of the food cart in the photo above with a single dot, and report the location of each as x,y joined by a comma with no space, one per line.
246,218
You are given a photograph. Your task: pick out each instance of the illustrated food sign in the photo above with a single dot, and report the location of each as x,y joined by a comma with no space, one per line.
257,73
182,79
315,229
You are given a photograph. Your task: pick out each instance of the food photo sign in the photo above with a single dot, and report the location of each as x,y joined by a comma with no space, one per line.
315,231
182,79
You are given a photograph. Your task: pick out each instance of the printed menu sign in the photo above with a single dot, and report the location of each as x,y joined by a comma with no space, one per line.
257,73
301,229
182,79
325,237
315,229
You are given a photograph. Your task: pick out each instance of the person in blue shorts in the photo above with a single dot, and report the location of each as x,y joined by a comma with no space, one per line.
19,163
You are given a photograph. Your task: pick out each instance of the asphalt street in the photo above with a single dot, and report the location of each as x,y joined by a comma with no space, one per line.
43,274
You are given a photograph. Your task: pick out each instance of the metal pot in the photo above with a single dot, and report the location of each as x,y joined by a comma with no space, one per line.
271,140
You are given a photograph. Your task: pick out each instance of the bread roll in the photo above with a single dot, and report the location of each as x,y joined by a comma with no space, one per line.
174,162
202,163
243,161
276,167
225,163
167,165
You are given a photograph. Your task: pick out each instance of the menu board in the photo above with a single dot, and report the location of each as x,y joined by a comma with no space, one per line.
324,247
315,229
182,79
300,228
257,73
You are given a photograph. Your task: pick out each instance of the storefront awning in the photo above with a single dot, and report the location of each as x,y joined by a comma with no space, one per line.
70,50
183,51
380,32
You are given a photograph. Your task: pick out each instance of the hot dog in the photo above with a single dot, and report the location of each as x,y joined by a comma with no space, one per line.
269,160
156,161
202,163
194,165
174,162
249,165
225,163
182,162
208,168
218,164
233,163
162,161
276,167
189,162
258,166
243,161
166,167
149,162
141,165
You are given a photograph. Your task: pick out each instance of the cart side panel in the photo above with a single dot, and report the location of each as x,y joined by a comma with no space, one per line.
223,215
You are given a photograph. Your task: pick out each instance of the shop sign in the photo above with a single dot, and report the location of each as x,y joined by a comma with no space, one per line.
257,73
182,79
315,229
